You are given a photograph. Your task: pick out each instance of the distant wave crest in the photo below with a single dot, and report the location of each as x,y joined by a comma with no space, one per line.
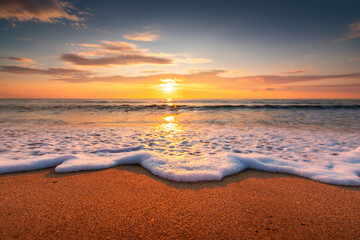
150,107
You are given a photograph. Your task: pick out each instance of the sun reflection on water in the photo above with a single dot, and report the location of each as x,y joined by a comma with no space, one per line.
170,126
169,103
171,137
169,119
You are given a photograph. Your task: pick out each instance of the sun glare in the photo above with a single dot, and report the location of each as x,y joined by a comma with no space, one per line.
169,119
169,85
169,128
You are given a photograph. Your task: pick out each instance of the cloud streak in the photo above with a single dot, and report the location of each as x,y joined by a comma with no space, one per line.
202,77
151,71
19,60
215,79
112,47
49,71
142,36
290,79
123,59
49,11
295,71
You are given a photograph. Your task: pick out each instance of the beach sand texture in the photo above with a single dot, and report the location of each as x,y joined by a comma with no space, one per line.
129,202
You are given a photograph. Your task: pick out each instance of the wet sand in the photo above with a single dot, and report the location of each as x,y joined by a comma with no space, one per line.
129,202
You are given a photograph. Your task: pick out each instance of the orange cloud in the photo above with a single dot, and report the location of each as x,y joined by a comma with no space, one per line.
303,78
19,60
295,71
151,71
113,46
49,11
142,36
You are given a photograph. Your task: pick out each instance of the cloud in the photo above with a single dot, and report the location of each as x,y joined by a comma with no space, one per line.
201,77
354,59
123,53
151,71
354,32
113,47
123,59
49,11
19,60
142,36
50,71
182,58
196,70
113,53
214,77
295,71
303,78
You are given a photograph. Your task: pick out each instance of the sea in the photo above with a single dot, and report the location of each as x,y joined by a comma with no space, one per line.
184,140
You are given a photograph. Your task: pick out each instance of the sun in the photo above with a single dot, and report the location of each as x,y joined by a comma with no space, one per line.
169,85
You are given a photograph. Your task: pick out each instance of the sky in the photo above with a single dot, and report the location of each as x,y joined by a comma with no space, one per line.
179,49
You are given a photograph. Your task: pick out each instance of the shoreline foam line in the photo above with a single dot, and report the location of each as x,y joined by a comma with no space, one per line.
344,169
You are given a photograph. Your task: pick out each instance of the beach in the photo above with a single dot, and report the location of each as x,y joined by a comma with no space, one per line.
130,202
206,169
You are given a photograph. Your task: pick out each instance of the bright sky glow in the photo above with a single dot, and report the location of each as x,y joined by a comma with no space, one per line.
169,85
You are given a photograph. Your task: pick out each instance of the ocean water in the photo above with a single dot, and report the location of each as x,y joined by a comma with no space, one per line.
184,140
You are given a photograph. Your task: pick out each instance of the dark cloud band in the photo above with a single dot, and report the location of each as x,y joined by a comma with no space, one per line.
124,59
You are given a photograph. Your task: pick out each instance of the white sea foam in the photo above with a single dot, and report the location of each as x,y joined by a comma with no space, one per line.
345,172
185,154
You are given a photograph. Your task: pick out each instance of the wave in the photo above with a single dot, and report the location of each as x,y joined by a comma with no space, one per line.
150,107
214,168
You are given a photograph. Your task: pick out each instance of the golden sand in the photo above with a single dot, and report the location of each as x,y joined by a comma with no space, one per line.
129,202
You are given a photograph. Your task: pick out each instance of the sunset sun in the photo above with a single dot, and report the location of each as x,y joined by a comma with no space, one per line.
169,85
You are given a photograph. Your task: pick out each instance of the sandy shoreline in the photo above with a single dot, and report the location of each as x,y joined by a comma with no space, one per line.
129,202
